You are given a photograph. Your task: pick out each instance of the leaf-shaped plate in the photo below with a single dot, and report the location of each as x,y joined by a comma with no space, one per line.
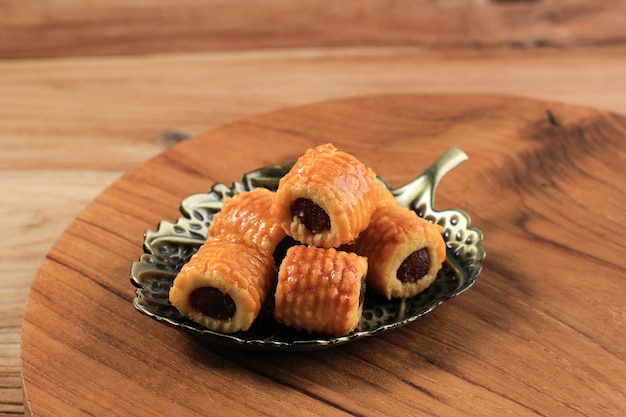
170,246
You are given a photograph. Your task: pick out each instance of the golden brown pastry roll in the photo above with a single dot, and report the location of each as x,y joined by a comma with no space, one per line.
326,199
384,193
248,215
224,284
320,290
403,250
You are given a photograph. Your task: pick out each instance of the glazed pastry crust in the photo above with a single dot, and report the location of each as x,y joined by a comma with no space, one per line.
337,182
384,193
394,233
234,267
248,215
320,290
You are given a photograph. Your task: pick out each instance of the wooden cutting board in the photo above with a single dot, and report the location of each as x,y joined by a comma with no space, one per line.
541,332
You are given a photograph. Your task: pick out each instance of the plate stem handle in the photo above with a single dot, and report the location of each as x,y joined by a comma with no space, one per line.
426,183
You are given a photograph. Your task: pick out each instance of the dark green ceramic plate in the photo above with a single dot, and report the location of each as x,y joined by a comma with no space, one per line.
169,246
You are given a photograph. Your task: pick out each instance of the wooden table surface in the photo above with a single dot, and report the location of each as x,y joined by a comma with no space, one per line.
90,90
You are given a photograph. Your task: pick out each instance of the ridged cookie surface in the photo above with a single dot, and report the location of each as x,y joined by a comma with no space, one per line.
320,290
224,285
404,251
326,199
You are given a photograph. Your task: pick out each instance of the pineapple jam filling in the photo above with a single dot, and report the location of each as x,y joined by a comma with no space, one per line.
312,216
414,267
213,303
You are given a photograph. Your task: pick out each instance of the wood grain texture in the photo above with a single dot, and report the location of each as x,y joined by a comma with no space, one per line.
69,127
78,28
113,102
541,333
75,114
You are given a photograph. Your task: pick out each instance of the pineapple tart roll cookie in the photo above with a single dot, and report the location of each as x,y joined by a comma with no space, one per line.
224,284
248,215
320,290
326,199
384,193
404,251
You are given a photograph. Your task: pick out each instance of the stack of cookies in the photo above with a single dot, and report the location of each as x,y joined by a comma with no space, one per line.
349,235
